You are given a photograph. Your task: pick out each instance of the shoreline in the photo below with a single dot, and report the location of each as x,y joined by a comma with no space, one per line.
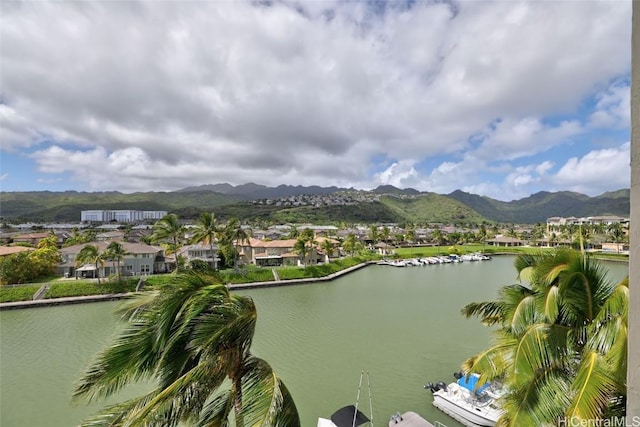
237,286
16,305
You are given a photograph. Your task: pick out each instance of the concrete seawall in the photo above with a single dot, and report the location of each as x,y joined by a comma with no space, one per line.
113,297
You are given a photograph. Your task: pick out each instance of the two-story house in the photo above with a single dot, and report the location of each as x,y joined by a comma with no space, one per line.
141,259
201,252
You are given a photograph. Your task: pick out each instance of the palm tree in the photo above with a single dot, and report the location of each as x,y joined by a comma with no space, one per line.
350,244
562,343
169,228
373,234
304,244
328,247
90,254
385,233
617,234
116,252
234,234
192,340
206,231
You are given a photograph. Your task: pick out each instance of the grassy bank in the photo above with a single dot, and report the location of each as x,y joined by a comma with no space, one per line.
249,274
76,288
427,251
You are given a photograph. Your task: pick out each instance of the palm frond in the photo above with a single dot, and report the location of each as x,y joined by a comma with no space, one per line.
592,388
541,347
540,402
490,312
182,399
491,363
524,315
217,412
266,401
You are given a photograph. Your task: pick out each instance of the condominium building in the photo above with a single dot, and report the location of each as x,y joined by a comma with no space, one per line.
120,215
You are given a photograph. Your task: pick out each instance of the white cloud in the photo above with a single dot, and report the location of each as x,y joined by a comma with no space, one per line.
613,108
160,95
596,172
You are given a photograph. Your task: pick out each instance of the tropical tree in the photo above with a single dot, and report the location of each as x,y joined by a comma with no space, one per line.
374,235
410,236
328,247
561,344
511,232
90,254
116,252
304,244
350,244
616,232
293,232
192,340
385,234
206,231
481,235
233,234
169,228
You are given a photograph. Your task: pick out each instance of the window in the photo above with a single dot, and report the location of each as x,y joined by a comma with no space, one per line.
145,269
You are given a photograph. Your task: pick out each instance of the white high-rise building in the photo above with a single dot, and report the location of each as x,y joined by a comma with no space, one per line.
120,215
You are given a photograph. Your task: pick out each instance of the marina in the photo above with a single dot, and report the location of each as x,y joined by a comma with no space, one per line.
402,325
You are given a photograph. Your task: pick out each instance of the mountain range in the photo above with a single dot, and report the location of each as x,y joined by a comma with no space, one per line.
286,203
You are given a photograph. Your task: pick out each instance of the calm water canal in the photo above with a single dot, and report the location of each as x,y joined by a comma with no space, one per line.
402,325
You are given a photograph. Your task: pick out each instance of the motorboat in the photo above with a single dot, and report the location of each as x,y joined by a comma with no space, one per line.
350,415
465,402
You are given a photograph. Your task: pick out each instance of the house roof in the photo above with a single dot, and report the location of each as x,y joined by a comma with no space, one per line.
289,243
42,235
10,250
132,248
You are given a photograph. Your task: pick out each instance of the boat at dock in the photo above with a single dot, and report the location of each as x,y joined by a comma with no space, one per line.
350,416
463,401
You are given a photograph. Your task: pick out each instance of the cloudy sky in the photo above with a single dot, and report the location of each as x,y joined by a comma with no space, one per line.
497,98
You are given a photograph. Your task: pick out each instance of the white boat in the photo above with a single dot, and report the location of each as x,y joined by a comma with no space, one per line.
466,404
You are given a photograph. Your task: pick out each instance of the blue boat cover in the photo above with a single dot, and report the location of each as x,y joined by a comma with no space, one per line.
469,382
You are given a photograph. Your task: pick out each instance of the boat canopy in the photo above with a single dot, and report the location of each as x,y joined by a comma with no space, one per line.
470,381
344,417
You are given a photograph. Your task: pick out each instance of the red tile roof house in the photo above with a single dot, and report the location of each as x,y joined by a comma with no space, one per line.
141,260
31,238
10,250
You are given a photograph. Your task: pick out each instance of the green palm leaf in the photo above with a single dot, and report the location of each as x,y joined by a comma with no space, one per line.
593,388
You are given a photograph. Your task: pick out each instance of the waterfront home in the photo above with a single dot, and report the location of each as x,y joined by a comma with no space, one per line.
505,241
201,252
141,259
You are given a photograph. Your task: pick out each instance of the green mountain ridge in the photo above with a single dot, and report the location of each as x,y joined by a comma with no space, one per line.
383,204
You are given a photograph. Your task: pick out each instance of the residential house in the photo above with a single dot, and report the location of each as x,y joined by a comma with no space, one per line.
505,241
201,252
107,236
141,259
274,253
10,250
31,238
